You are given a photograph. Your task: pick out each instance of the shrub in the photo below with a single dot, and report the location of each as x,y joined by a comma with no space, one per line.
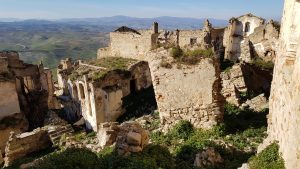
153,156
71,159
267,159
182,130
176,52
259,62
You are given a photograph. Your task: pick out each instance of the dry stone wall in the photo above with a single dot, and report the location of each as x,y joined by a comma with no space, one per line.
186,92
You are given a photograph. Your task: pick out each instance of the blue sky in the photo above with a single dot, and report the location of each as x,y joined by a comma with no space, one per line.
220,9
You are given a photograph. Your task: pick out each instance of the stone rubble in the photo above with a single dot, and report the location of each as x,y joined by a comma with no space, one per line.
129,137
208,158
258,103
19,146
233,83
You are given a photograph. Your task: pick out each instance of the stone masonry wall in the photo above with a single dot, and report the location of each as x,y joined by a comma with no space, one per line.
129,44
284,118
19,146
186,92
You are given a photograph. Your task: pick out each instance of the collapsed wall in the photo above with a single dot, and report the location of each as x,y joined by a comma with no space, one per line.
284,118
186,92
19,146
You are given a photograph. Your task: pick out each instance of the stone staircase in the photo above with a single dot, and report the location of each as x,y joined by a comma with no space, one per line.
56,132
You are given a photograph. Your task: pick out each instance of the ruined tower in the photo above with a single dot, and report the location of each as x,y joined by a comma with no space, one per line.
155,27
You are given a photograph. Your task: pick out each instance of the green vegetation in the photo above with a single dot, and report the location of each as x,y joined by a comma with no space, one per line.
111,63
108,64
51,42
243,129
30,158
236,140
190,57
267,159
259,62
70,159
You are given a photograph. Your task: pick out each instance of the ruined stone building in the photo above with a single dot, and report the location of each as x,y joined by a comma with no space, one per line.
177,98
130,43
248,36
96,90
284,118
27,92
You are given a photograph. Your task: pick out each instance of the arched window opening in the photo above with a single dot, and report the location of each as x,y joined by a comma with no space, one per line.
81,89
75,92
247,27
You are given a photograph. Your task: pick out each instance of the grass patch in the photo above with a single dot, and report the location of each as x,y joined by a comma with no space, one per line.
30,158
259,62
190,57
267,159
109,64
71,159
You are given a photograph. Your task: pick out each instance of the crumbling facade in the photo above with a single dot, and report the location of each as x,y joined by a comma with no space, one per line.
191,93
248,36
98,87
26,95
29,86
284,101
130,43
177,99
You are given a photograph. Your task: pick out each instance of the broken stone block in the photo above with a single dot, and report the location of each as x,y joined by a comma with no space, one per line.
208,158
129,137
258,103
134,138
107,134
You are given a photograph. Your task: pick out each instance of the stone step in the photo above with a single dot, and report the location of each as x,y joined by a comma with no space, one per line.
61,132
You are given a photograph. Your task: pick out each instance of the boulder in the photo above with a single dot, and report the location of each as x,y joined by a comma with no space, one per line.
208,158
134,138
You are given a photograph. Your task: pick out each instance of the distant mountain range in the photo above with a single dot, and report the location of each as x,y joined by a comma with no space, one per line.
52,40
165,22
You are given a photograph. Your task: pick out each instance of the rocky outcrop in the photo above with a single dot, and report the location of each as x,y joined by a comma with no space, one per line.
208,158
19,146
186,92
129,137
